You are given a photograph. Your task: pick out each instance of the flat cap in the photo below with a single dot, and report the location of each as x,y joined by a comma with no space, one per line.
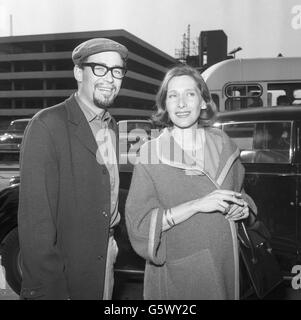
97,45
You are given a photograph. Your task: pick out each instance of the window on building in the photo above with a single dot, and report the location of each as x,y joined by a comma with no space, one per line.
5,85
28,66
5,103
59,65
33,84
61,84
5,67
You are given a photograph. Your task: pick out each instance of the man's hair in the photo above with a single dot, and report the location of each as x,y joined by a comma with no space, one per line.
161,118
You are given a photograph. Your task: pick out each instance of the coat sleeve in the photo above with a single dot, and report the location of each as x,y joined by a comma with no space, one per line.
143,215
42,264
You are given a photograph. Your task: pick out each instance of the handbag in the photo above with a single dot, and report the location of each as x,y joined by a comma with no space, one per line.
257,256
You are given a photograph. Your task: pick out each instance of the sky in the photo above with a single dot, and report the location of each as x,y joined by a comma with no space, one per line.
262,28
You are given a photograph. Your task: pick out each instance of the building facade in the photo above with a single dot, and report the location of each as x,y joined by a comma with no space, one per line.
36,72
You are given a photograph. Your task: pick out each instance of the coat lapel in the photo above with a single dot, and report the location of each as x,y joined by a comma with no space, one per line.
80,125
221,151
85,135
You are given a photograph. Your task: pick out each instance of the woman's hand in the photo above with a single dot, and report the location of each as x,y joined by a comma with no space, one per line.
238,212
222,201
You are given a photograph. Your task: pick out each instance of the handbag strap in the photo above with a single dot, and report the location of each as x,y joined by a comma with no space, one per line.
251,245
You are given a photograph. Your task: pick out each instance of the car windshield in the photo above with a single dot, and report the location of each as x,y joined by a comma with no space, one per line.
10,142
17,126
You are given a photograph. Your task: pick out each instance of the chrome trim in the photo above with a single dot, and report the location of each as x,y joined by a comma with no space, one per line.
274,174
130,271
252,122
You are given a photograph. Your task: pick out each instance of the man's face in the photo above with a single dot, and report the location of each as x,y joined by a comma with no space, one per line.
100,91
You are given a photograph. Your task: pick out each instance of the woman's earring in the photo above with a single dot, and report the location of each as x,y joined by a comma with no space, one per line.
205,113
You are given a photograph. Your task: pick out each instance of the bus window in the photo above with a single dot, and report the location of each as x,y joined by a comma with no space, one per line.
274,94
297,97
292,90
241,96
231,80
234,104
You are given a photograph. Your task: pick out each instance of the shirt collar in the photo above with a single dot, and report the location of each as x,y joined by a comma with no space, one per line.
90,114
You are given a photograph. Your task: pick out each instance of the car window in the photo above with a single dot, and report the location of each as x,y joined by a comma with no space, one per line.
262,142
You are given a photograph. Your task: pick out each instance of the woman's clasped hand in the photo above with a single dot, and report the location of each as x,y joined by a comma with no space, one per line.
227,202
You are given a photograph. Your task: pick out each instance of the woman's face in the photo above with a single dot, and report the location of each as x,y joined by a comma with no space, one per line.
183,101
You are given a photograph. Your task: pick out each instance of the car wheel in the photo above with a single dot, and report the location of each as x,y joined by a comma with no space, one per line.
11,260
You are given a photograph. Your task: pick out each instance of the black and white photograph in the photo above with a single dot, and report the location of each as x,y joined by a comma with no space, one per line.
150,150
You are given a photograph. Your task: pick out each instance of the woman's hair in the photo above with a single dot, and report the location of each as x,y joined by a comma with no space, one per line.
207,116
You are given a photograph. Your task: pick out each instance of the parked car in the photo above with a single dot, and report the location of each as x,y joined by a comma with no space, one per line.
269,139
10,140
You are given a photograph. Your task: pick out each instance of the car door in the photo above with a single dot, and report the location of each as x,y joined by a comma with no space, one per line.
298,200
272,180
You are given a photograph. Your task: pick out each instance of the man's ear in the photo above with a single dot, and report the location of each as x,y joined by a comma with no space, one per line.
78,73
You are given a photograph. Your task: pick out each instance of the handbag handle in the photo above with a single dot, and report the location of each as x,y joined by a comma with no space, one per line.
251,246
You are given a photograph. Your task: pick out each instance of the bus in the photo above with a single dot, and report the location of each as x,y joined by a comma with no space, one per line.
260,82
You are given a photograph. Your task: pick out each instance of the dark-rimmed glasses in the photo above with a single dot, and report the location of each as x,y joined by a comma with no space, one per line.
100,70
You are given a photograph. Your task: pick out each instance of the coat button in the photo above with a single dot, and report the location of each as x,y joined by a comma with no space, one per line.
32,292
104,213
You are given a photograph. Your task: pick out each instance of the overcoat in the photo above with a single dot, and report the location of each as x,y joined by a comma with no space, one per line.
64,207
198,258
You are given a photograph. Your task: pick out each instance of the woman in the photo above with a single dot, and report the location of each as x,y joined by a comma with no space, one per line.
185,195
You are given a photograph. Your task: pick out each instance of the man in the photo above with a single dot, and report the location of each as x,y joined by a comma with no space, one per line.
69,184
283,100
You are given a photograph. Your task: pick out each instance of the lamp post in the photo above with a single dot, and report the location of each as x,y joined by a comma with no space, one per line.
235,50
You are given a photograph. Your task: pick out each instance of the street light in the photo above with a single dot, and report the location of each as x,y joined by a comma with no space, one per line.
235,50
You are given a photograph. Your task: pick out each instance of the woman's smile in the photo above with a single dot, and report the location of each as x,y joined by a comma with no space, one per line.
183,114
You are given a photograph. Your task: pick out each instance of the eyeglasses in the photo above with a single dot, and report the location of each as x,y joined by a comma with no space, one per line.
101,70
